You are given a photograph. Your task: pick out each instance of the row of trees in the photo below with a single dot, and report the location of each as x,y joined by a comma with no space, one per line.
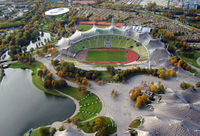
47,48
183,46
68,70
25,58
176,61
161,73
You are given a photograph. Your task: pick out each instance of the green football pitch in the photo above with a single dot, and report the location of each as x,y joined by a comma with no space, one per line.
106,56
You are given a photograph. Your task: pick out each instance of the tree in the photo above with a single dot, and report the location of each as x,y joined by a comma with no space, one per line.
116,77
144,98
40,73
160,89
100,122
84,81
110,69
151,6
138,103
153,88
185,85
60,74
134,94
198,84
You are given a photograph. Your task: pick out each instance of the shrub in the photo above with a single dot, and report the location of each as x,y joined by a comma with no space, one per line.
185,85
61,128
44,131
198,84
53,131
160,89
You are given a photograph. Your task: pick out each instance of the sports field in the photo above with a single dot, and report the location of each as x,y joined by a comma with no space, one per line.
102,55
117,42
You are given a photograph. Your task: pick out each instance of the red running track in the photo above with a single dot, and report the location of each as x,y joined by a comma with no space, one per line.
131,56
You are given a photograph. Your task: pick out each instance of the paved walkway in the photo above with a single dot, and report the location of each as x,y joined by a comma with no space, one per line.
122,109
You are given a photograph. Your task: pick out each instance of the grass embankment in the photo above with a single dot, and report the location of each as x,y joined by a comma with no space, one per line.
35,79
87,27
192,61
90,104
35,132
110,126
106,56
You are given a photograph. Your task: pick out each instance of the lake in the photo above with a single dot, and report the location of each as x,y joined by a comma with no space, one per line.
23,106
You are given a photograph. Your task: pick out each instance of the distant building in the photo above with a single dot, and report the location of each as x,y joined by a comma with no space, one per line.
85,1
21,6
187,4
115,0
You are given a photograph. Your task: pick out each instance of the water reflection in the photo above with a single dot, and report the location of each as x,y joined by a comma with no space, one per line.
23,106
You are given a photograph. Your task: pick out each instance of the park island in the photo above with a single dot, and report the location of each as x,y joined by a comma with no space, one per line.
99,68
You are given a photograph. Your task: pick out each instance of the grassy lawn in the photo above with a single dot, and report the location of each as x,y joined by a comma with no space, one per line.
105,75
35,79
106,56
192,61
90,105
110,125
35,132
87,27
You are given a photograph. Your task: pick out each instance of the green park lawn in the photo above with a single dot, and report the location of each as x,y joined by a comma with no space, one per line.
110,125
90,105
106,56
192,61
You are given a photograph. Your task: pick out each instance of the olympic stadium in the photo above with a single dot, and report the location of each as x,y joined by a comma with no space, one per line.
117,46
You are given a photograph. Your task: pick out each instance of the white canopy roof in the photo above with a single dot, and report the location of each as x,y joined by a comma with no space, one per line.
56,11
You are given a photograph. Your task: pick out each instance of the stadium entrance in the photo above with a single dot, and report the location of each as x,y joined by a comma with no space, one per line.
107,44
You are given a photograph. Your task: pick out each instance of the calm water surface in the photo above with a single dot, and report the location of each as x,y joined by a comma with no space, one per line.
23,106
